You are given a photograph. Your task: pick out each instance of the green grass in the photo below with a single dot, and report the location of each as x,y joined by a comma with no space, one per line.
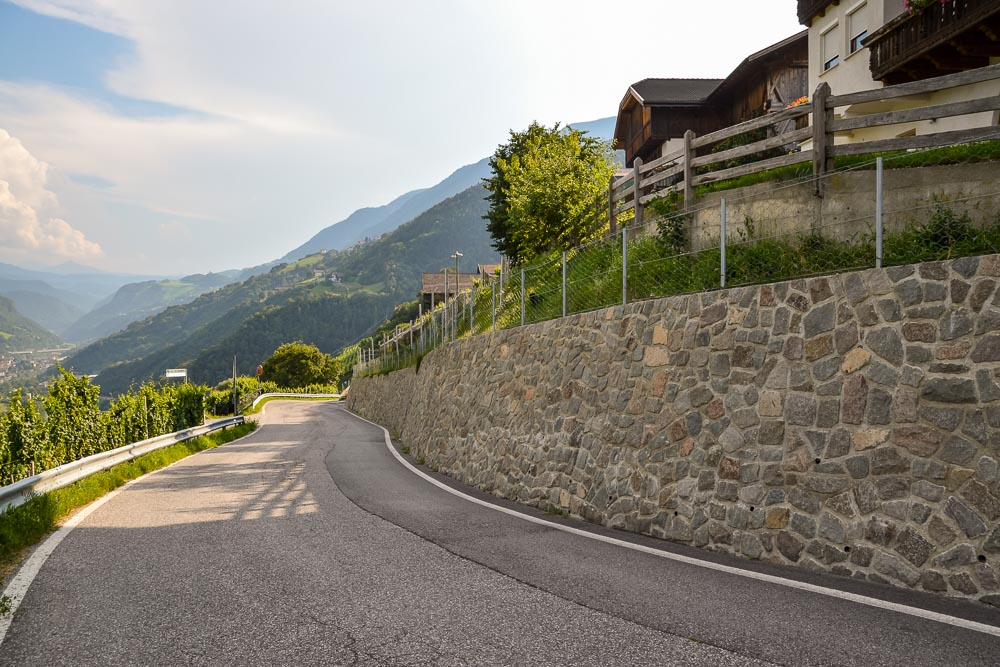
26,524
260,406
983,151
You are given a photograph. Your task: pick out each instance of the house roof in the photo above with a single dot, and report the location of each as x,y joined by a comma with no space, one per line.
434,282
798,41
655,92
487,269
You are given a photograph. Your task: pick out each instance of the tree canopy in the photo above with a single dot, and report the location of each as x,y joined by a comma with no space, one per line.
545,189
298,365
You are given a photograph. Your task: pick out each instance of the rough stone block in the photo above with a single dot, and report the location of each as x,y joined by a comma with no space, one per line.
966,518
912,546
886,343
895,568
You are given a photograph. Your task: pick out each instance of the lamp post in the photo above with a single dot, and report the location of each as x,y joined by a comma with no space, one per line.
454,321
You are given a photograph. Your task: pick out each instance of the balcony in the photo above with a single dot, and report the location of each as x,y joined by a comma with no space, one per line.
809,9
943,38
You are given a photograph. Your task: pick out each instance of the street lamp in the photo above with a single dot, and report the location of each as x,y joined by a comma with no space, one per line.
454,321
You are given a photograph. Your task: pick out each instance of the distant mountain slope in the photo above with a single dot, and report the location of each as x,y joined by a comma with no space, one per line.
89,286
137,301
54,309
250,319
17,332
374,221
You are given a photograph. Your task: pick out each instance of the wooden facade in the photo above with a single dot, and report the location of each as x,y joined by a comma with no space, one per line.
655,111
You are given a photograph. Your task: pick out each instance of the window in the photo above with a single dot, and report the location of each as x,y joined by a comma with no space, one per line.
857,28
830,48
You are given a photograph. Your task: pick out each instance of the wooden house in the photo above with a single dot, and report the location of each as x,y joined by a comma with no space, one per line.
655,113
432,290
486,273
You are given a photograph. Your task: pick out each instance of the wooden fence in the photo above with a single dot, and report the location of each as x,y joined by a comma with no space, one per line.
812,124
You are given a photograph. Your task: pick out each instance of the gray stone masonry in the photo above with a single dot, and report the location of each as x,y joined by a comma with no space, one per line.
843,423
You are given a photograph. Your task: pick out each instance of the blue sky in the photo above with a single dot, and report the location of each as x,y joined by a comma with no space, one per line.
144,136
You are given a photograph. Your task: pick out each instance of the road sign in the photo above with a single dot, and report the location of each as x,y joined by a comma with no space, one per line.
177,373
260,371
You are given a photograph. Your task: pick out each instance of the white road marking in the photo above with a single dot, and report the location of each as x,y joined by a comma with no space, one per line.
749,574
19,585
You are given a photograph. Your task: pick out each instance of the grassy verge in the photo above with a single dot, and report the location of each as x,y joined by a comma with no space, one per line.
260,406
983,151
26,524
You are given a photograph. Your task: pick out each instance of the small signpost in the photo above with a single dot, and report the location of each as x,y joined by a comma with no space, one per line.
177,373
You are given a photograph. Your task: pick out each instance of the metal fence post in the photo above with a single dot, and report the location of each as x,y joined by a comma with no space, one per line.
878,212
624,265
722,246
472,314
522,297
564,283
493,303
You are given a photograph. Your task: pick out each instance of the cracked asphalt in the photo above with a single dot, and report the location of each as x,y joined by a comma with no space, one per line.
308,543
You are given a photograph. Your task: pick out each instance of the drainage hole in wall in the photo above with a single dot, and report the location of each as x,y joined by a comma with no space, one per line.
751,508
817,461
847,550
675,513
982,558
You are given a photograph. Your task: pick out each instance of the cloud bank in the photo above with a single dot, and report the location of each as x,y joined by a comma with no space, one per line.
26,231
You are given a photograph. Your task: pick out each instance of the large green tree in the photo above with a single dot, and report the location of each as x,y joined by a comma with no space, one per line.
544,190
298,364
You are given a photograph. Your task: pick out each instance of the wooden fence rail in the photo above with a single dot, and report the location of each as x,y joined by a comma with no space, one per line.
806,133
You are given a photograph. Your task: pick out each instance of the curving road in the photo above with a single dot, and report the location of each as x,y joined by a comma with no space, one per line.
309,543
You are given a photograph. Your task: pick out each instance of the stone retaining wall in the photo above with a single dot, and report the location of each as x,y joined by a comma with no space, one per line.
848,423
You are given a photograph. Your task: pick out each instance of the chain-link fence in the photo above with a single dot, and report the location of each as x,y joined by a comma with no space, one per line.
875,210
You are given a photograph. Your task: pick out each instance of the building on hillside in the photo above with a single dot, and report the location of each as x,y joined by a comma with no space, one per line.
487,273
655,113
855,46
432,290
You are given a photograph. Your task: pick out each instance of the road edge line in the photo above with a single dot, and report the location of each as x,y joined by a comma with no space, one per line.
918,612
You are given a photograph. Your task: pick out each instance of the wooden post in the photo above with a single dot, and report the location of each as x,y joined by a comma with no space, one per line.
636,190
688,171
822,139
612,221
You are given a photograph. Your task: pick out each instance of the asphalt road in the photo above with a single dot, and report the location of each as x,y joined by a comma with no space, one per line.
308,543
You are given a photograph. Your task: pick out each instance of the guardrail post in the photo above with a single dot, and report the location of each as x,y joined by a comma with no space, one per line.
879,202
688,170
636,190
564,283
624,265
722,245
522,297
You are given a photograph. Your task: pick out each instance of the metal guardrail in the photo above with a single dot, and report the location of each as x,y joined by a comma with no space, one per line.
289,395
22,490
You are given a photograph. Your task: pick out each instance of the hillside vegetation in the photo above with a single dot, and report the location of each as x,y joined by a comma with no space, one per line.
251,318
17,332
137,301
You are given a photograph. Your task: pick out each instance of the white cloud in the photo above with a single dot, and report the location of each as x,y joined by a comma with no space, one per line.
305,111
25,229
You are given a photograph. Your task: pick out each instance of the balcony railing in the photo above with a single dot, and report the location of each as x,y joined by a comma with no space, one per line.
901,43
